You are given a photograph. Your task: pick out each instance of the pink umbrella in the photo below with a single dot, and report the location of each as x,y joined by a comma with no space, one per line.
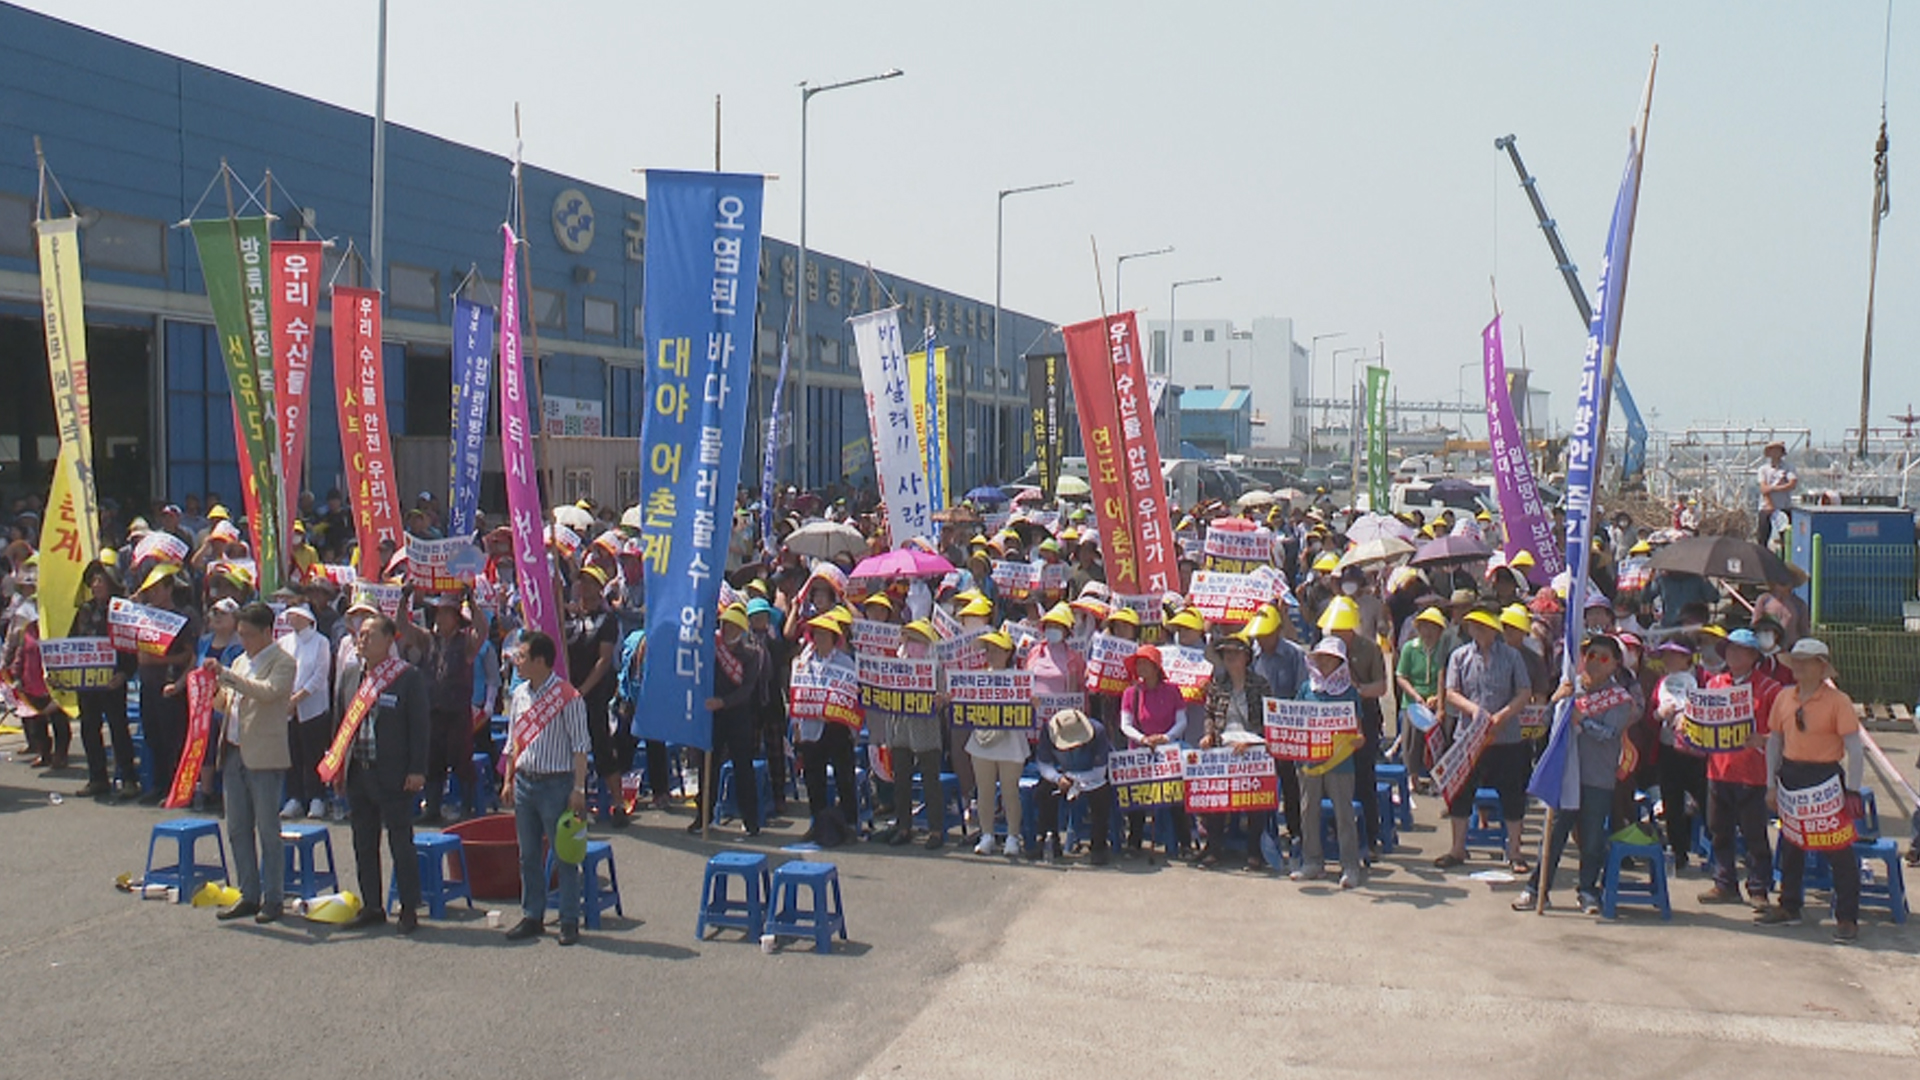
905,562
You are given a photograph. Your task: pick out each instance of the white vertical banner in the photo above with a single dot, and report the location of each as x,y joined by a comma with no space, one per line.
896,449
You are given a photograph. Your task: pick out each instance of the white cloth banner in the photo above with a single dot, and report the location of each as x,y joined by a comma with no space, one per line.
896,449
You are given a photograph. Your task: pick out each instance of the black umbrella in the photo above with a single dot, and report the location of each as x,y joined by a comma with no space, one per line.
1452,486
1728,558
1449,550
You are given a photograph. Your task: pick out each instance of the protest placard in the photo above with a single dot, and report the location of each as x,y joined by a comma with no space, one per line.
896,685
1237,551
380,594
1718,721
825,690
1454,769
1107,664
447,565
1221,781
963,651
1015,580
1147,778
871,637
138,628
993,700
1045,705
1304,730
1188,668
1534,722
160,547
1229,598
78,663
1816,818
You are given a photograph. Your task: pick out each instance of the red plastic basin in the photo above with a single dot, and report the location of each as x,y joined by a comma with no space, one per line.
493,855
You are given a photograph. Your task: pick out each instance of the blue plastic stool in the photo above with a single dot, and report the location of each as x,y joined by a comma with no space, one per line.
1389,825
1486,828
303,842
727,806
1817,875
1890,893
1614,892
1329,831
823,918
593,899
487,783
1396,774
1869,824
186,873
433,849
718,909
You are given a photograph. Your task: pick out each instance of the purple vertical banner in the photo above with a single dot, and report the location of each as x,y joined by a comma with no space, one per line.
776,431
1522,515
472,397
531,572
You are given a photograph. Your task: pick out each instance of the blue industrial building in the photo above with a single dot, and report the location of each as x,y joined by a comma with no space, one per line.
1219,422
135,136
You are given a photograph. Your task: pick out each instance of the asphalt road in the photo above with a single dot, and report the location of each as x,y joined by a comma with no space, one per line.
959,966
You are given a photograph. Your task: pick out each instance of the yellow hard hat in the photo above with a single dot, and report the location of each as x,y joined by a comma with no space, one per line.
1058,615
1432,615
979,606
826,622
1521,559
1484,618
1266,620
1187,619
878,599
1123,615
1341,614
998,639
1327,561
336,908
1515,615
735,615
219,513
921,627
158,575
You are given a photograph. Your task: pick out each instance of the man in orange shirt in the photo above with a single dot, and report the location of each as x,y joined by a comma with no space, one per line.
1812,730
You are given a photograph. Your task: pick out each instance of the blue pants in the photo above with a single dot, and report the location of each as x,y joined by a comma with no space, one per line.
253,809
1591,819
538,802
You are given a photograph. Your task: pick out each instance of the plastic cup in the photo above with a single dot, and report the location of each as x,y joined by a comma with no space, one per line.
493,920
766,943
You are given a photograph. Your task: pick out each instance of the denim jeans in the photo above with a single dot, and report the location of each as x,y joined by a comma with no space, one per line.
538,802
1591,819
253,809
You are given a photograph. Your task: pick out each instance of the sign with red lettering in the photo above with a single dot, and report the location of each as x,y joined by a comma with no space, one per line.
1221,781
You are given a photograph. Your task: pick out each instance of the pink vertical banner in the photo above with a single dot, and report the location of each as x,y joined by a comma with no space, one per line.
538,607
1523,514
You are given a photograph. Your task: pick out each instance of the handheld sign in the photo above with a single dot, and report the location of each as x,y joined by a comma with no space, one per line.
148,631
1147,778
1229,598
870,637
1107,664
80,663
1237,551
825,691
1815,818
1304,730
1221,782
1189,669
442,565
992,700
1718,721
896,685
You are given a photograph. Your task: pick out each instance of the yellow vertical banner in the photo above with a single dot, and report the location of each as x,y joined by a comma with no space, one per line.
917,393
70,535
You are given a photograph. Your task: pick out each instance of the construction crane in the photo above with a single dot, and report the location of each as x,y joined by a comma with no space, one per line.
1634,464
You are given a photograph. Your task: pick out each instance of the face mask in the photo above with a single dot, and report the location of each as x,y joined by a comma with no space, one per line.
1767,640
1712,660
917,650
1055,635
1350,587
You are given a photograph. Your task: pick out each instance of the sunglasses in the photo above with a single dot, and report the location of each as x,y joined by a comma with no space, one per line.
1800,719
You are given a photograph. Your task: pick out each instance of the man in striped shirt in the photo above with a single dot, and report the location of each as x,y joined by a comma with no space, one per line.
546,757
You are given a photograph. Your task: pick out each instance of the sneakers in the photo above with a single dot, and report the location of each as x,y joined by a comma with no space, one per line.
985,846
1718,895
1307,874
1846,933
1526,901
1012,847
317,809
290,810
1775,915
1349,881
1589,904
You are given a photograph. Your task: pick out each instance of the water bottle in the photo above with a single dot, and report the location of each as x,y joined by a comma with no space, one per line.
54,798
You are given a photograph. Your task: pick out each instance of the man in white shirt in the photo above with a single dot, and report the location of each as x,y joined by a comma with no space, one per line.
546,757
1777,482
310,727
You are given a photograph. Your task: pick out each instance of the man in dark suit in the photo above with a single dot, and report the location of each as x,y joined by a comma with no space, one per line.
385,769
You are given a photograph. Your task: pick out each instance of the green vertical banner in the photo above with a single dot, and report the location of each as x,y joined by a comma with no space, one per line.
233,260
1377,439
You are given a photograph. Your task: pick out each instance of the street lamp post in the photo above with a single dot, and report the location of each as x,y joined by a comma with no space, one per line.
1315,359
1460,390
1173,296
800,443
1333,363
999,236
1122,262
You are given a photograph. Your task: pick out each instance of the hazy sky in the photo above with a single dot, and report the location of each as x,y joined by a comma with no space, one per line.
1334,163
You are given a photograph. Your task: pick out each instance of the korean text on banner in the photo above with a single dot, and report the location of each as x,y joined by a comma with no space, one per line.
1147,778
444,565
992,700
1046,396
1107,664
930,422
1816,818
1304,730
79,663
1221,781
70,535
1229,598
897,685
366,442
827,690
703,252
1718,721
871,637
295,292
1093,399
1238,551
1522,512
472,400
148,631
1377,475
539,607
1140,449
233,254
1187,668
896,453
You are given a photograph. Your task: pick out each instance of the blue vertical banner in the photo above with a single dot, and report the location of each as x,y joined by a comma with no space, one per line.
472,398
936,494
776,433
1556,778
703,258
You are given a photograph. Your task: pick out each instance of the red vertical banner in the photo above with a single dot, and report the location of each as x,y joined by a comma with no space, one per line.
359,378
294,291
1099,412
1140,449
